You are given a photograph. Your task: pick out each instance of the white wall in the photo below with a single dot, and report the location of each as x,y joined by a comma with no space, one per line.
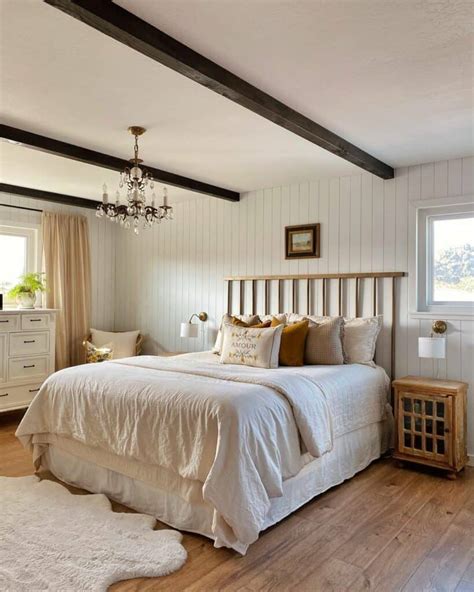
176,269
102,242
166,274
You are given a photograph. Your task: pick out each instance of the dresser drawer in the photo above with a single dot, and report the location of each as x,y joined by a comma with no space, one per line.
9,322
34,321
17,396
27,344
21,368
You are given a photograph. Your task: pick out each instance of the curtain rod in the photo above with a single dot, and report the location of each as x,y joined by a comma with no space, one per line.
20,208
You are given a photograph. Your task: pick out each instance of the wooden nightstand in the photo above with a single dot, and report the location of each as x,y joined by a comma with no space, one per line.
430,420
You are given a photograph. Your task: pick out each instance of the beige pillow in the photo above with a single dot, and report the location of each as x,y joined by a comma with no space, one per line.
324,342
251,347
281,316
294,317
124,344
360,338
227,318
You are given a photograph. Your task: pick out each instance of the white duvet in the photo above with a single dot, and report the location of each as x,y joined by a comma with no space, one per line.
237,431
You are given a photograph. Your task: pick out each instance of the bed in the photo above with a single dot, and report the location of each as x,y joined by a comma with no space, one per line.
221,450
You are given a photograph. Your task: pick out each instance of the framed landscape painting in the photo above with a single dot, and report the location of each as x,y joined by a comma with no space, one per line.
302,241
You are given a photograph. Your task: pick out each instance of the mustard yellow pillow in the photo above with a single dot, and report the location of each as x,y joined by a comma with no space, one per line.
293,341
239,323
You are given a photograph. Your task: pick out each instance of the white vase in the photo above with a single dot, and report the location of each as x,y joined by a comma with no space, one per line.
26,300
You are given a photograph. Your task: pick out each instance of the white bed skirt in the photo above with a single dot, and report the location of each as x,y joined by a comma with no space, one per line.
351,453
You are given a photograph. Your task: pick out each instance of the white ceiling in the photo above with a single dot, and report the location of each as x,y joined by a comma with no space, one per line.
395,78
32,168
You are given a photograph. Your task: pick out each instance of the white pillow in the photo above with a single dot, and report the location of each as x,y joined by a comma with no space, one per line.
360,338
227,318
251,347
124,344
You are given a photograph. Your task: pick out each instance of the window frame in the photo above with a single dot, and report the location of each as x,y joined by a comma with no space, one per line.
31,233
426,213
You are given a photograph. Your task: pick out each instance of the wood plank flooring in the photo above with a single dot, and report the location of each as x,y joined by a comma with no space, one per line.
387,529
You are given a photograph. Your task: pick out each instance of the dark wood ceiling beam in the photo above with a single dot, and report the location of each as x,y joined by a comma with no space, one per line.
60,198
125,27
106,161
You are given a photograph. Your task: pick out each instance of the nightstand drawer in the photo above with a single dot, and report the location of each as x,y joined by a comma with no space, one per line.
9,322
27,344
18,396
23,368
34,321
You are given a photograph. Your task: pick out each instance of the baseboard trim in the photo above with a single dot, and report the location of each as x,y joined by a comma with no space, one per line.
470,460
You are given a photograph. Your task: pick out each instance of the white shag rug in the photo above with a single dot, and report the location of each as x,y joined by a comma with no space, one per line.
53,540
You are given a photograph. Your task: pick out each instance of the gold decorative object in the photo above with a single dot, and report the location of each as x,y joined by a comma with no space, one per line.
439,327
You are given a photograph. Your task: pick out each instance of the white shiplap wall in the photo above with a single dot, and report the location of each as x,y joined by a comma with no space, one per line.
102,242
177,268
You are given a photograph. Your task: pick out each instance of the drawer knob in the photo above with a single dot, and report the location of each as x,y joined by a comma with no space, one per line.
6,321
30,341
30,366
35,320
33,390
4,395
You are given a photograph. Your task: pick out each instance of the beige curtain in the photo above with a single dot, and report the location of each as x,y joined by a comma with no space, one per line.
68,277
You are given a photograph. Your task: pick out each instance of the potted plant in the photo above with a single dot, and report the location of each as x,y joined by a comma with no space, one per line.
25,291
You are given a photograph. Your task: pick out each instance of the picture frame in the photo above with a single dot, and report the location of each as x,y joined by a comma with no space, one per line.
302,241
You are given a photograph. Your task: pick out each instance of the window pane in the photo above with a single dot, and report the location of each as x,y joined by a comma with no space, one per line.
453,260
12,260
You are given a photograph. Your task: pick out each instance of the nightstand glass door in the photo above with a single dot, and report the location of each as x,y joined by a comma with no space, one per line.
423,426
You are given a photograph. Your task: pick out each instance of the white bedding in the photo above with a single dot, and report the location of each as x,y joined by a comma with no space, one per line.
235,432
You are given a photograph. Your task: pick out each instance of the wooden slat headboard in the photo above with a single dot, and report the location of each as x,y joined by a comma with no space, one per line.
336,293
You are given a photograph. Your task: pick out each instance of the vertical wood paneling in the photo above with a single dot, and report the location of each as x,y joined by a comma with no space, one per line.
455,177
401,262
468,175
356,224
344,250
366,223
467,374
377,224
364,226
441,178
427,181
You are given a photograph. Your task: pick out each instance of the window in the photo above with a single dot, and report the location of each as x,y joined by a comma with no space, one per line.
18,255
446,258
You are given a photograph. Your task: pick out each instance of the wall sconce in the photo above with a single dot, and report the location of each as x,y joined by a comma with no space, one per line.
434,347
191,329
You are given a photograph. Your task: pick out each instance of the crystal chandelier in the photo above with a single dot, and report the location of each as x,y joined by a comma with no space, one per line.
138,207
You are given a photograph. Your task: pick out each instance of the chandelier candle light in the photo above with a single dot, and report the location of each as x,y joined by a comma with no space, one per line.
139,207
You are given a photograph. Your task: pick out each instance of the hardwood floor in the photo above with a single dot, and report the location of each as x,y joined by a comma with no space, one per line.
387,529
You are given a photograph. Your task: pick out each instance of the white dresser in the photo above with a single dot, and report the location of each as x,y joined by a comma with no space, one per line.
27,339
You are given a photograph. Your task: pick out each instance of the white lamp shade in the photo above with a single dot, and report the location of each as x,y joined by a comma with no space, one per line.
189,330
431,347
